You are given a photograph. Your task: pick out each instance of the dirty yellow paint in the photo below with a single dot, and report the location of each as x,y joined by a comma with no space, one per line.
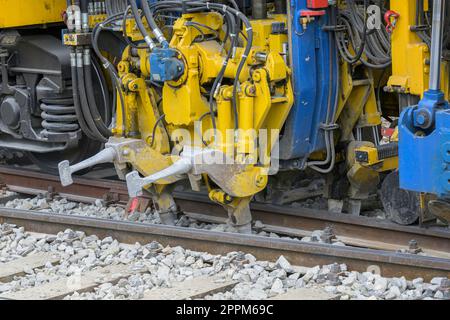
19,13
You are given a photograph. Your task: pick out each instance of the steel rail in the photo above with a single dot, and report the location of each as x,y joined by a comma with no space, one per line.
390,264
369,229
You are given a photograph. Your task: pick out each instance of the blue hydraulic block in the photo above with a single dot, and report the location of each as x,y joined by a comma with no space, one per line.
425,129
315,74
165,65
424,149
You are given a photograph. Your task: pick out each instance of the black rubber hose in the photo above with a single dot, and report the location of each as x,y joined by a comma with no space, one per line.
104,130
76,102
84,6
362,46
108,66
140,24
85,105
151,22
196,6
124,31
220,76
104,88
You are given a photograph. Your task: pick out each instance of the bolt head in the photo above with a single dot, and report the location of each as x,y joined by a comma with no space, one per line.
413,244
421,119
261,181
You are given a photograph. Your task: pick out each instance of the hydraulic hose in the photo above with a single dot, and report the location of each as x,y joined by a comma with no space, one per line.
84,5
361,49
84,101
140,24
124,30
374,44
91,96
104,89
115,80
200,6
330,116
89,111
151,21
84,127
219,78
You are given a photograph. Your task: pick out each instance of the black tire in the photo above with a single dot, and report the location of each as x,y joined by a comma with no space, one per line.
401,206
48,162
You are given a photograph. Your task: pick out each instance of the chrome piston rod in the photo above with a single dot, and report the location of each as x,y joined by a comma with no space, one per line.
436,44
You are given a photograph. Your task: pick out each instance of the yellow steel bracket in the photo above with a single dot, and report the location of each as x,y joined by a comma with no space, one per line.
371,159
148,115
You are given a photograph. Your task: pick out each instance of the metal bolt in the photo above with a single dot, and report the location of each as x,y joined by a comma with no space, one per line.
328,235
260,181
257,77
414,247
421,119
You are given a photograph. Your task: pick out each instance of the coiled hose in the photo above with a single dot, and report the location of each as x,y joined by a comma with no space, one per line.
85,104
372,47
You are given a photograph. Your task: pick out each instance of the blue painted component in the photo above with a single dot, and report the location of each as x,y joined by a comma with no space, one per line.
424,148
164,65
423,116
315,74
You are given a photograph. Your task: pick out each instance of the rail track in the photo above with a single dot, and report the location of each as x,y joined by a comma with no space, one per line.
369,242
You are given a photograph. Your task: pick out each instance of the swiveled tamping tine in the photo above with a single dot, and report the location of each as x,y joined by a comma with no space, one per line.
135,183
65,170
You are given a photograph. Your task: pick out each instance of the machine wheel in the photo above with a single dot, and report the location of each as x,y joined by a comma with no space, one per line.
86,148
440,209
48,162
401,206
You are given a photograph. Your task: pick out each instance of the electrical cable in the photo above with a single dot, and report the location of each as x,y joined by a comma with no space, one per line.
161,118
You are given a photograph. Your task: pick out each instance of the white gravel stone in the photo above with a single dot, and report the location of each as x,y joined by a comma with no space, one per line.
257,294
277,287
393,293
380,284
284,264
437,280
157,266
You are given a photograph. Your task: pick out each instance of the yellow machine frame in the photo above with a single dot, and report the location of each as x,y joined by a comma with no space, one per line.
19,13
410,55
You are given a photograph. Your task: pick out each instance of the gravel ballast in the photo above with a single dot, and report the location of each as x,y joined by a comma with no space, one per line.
156,266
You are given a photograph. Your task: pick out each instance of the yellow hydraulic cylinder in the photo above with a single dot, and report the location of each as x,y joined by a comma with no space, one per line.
224,116
246,120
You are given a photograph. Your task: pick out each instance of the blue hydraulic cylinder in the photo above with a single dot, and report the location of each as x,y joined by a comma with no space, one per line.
315,74
424,130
